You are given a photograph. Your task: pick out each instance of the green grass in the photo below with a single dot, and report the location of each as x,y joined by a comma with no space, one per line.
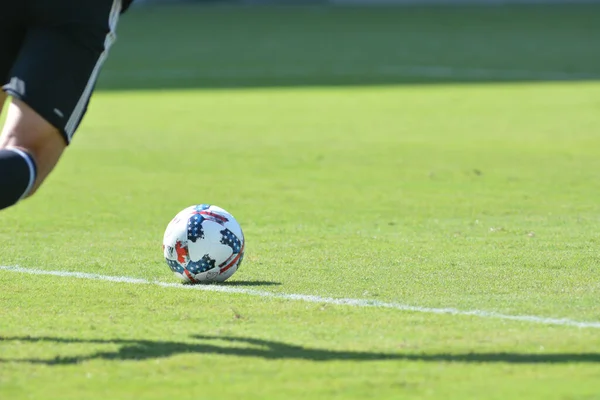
435,192
295,46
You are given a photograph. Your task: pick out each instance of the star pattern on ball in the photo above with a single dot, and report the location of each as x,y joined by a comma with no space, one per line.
175,266
228,238
194,228
204,264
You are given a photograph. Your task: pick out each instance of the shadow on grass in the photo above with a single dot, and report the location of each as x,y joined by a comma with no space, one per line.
236,283
139,350
250,283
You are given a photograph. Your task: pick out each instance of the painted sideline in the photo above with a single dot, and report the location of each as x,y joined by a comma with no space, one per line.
310,298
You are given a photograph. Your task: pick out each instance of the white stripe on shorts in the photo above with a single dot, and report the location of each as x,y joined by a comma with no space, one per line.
77,114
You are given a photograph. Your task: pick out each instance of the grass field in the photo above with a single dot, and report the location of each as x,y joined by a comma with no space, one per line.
425,157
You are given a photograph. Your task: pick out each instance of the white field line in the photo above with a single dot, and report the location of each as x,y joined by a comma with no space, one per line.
310,298
391,71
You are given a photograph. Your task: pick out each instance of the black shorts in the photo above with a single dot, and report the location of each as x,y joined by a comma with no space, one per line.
51,52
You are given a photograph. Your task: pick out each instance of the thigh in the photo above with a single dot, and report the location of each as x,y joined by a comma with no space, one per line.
61,56
12,34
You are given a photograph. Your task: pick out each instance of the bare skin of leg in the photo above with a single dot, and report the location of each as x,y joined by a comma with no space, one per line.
27,130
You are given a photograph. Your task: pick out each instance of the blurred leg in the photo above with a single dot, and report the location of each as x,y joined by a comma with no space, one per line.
28,131
17,169
51,82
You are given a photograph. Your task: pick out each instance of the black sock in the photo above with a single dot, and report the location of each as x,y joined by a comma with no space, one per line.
17,175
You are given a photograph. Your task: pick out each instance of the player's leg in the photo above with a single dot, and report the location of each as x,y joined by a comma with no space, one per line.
12,34
51,84
34,144
15,176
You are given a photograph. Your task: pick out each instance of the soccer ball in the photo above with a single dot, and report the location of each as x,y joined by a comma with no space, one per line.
204,243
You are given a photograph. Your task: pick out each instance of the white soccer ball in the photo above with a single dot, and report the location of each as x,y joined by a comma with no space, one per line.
204,243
